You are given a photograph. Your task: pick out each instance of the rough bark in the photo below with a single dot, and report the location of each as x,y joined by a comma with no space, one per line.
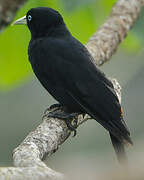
51,133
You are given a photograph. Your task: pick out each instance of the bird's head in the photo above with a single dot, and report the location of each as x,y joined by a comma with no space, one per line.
41,21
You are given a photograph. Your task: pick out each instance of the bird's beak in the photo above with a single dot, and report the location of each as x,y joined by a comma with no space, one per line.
20,21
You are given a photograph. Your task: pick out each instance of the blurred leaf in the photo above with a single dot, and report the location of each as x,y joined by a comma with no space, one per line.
71,5
81,24
138,28
132,43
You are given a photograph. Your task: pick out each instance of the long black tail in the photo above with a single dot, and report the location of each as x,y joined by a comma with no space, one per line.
119,150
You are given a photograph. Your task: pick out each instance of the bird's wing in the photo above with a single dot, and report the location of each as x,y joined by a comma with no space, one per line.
96,97
88,86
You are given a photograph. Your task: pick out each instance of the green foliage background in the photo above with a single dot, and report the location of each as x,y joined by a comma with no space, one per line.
82,17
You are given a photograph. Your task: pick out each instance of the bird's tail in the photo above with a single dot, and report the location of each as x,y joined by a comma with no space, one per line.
119,149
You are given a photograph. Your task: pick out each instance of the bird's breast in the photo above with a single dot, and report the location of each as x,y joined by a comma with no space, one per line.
42,62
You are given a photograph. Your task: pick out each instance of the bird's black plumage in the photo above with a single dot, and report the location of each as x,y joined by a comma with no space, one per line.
66,70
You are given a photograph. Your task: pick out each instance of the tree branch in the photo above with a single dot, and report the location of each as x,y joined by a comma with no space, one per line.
8,9
103,44
51,133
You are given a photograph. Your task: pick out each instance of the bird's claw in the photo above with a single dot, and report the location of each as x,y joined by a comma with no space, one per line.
53,107
68,118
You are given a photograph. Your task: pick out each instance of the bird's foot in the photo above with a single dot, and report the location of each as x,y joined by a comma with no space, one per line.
69,119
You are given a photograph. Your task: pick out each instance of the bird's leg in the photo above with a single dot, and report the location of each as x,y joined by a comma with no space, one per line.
67,117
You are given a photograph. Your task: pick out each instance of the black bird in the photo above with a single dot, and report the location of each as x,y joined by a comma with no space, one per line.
66,69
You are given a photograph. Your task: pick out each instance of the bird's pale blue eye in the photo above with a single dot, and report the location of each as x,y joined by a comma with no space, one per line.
29,17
